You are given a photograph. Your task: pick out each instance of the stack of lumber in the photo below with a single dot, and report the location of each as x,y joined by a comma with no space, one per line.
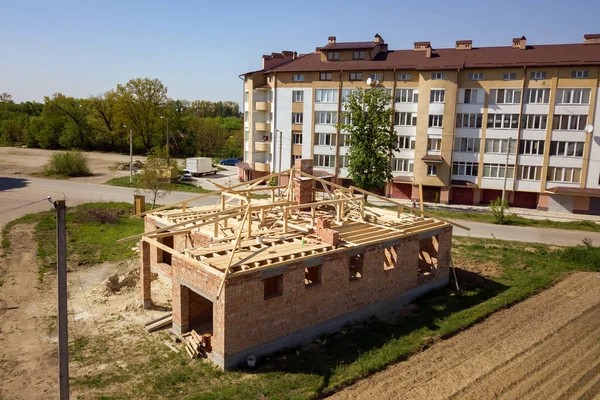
159,323
193,344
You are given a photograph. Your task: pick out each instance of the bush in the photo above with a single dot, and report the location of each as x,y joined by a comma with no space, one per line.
102,215
68,163
498,208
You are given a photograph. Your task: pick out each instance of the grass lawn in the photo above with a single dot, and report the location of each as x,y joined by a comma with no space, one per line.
523,269
90,239
174,187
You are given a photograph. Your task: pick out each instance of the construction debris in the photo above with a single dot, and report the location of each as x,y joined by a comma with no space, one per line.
159,323
196,345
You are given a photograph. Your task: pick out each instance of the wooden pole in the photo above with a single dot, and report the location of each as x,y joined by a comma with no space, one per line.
63,333
421,198
235,245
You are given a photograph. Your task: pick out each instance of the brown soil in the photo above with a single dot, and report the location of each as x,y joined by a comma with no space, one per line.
546,347
27,162
98,307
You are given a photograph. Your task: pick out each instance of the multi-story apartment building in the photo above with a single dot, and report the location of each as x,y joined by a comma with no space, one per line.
470,121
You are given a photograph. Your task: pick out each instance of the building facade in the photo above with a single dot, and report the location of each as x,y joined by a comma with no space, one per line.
471,121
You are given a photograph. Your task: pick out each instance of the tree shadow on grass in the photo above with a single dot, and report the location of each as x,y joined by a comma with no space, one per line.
421,328
12,183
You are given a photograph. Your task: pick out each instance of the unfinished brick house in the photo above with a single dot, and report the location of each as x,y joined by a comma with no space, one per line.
264,275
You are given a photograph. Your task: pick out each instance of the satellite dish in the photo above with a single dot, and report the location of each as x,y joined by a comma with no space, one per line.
589,128
369,81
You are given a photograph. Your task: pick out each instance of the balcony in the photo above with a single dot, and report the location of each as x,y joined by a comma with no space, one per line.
262,167
262,126
262,106
262,146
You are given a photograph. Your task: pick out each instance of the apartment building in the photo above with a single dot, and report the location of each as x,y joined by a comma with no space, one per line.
471,121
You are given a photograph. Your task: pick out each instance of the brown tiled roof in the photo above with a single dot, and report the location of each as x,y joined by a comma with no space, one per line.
432,158
322,174
348,46
403,179
475,58
574,191
460,183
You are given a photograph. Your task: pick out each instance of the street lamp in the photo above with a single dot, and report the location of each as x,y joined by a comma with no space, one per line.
130,154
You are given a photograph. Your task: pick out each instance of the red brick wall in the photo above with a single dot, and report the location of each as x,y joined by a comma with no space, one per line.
324,231
250,320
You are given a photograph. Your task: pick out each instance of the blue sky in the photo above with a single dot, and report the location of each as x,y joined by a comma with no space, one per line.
198,49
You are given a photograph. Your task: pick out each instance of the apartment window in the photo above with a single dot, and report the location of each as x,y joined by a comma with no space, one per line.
432,170
434,144
298,78
345,139
406,142
566,149
436,95
407,95
536,121
273,286
476,76
572,96
356,267
537,96
358,55
506,96
390,258
297,118
326,117
346,118
580,74
325,76
500,146
463,168
405,118
345,94
503,121
324,160
294,158
531,147
529,172
344,161
333,55
438,75
404,77
509,76
356,76
246,96
436,121
469,120
498,171
538,75
246,135
312,276
560,174
326,96
569,122
297,96
297,137
402,165
326,139
245,115
470,96
466,145
376,77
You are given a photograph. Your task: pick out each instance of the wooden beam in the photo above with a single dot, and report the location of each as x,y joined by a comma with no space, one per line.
421,198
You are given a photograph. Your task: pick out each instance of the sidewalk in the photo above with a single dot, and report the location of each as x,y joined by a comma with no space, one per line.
522,212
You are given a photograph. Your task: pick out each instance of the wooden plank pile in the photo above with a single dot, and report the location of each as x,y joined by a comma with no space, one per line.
159,323
194,345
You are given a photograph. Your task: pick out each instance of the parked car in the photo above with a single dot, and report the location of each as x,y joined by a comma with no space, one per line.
229,161
187,176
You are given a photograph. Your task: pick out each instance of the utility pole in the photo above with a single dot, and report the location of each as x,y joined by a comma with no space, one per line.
506,172
167,141
63,333
130,155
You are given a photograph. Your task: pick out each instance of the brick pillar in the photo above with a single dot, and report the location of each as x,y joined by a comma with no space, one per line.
145,275
444,195
476,196
414,194
181,310
303,186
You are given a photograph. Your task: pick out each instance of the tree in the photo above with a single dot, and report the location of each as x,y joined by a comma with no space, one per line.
498,209
142,102
6,98
209,136
73,112
372,139
155,178
106,121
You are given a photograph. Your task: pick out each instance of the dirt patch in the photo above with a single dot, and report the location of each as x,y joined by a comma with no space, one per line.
487,269
543,348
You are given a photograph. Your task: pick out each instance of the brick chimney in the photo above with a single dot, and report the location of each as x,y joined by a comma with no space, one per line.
422,46
591,38
331,39
519,43
378,39
464,44
275,59
303,186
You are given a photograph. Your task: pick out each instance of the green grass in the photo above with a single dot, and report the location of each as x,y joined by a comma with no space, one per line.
174,187
364,348
89,241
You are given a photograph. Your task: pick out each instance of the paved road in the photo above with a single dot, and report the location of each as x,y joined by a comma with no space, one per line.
16,192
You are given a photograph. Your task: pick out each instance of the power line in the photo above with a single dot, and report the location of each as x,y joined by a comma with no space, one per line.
26,205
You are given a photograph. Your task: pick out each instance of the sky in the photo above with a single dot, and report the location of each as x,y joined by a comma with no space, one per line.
198,48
